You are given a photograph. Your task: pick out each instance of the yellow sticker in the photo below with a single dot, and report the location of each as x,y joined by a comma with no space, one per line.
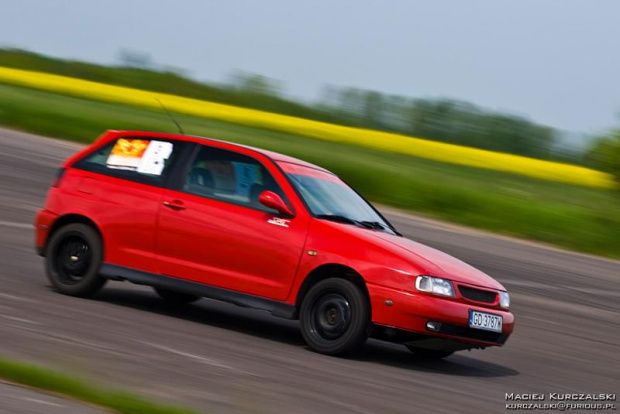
127,153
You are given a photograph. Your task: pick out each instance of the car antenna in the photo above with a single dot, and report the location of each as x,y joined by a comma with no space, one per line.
171,117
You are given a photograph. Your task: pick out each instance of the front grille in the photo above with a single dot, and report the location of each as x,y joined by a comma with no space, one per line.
477,294
473,333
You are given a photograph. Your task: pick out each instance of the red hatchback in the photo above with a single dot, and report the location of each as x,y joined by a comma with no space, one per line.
196,217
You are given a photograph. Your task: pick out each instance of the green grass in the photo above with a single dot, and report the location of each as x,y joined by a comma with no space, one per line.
575,217
48,380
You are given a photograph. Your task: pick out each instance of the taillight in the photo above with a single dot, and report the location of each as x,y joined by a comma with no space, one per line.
58,176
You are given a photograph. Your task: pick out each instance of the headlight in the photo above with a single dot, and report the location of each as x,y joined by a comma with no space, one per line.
504,300
434,285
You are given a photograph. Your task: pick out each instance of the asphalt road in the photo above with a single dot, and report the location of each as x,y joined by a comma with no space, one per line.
15,399
219,358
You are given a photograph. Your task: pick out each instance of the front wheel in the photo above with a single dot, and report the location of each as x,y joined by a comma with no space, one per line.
428,353
334,317
73,258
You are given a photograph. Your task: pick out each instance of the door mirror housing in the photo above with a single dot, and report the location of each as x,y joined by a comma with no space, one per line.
274,201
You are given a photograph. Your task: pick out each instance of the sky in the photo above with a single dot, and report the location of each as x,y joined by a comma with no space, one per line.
553,61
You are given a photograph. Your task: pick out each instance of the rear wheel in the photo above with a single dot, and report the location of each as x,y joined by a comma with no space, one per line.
176,298
334,317
428,353
74,256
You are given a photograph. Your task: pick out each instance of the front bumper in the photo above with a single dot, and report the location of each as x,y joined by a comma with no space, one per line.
405,320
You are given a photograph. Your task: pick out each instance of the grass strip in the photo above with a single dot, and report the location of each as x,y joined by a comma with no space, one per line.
81,390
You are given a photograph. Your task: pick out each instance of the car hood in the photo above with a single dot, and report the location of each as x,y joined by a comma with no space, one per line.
438,263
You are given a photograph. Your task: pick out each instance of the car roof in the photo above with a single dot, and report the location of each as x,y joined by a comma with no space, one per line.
275,156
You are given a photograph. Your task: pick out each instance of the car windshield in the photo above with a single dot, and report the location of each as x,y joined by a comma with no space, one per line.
329,198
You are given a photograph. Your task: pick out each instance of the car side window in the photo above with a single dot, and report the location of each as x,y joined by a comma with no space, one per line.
231,177
144,160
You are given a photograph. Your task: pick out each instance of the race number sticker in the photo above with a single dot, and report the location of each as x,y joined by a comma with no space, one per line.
152,161
246,175
140,155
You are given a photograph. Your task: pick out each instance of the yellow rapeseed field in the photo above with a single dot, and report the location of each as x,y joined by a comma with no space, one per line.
383,141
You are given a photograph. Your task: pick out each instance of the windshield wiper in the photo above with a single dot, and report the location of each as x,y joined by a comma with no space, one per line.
375,225
342,219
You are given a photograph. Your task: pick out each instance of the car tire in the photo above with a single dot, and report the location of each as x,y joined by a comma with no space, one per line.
429,354
334,317
74,255
176,298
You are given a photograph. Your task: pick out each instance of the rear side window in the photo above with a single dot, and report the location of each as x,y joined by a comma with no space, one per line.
143,160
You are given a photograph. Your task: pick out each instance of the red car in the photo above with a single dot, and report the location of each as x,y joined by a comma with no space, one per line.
195,217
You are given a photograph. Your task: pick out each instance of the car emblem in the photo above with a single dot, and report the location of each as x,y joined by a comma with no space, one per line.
278,221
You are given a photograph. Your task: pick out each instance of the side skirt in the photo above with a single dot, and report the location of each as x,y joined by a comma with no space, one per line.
276,307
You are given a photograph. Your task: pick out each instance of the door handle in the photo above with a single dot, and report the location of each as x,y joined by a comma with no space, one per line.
175,205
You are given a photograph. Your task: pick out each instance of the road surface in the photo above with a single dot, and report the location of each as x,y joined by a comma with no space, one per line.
20,400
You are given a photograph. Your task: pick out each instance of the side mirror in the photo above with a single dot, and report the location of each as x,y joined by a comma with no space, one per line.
274,201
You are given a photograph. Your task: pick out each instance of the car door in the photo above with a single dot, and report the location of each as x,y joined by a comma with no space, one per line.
119,185
213,230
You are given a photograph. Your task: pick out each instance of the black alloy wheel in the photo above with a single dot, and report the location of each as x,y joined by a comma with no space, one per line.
73,257
334,317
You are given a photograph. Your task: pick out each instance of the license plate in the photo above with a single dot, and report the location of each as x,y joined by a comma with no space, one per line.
485,321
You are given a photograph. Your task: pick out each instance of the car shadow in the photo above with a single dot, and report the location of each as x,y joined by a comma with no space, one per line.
209,312
263,325
459,364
